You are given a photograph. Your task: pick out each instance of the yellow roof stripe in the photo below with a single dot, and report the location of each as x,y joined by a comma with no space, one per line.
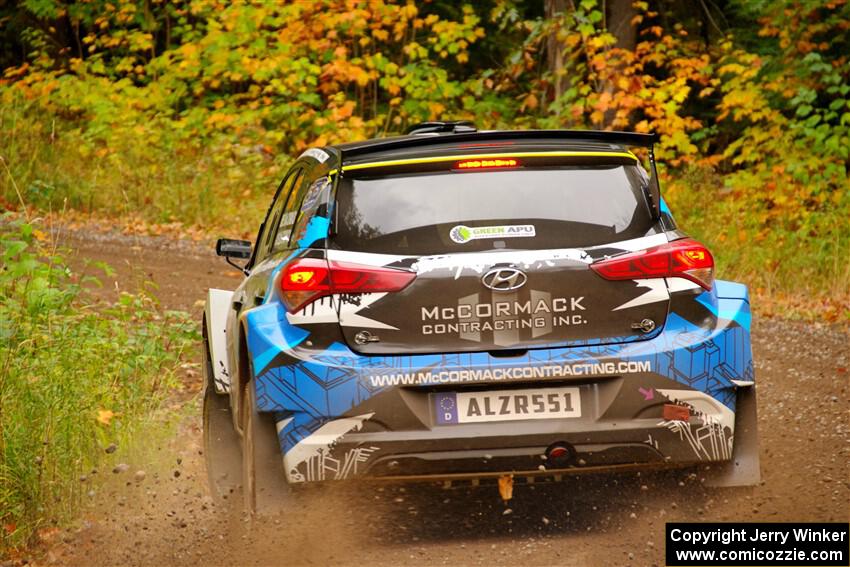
437,159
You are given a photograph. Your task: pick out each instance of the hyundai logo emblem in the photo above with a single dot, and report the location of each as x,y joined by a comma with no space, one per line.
504,279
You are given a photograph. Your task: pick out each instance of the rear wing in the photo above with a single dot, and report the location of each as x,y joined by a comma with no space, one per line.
435,136
425,139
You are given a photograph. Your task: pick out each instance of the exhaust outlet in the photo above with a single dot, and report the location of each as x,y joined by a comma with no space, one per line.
560,455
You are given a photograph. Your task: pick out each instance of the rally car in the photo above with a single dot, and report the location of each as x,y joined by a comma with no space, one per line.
461,304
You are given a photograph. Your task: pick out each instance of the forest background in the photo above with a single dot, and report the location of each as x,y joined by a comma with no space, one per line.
180,117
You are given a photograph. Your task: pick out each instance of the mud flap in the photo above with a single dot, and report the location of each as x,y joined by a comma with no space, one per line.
215,312
743,469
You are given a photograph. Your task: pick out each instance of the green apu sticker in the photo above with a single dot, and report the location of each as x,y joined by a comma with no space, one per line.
463,234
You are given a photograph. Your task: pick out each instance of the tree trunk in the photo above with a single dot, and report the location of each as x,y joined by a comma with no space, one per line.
555,51
620,15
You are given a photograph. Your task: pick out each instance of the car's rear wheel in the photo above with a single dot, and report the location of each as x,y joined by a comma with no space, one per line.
221,441
264,485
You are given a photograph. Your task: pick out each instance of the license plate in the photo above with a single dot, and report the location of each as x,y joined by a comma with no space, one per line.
507,405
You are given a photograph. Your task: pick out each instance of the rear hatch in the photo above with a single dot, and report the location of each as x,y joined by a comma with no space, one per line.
501,250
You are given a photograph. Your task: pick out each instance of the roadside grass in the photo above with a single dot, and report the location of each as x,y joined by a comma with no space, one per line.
793,271
50,164
76,376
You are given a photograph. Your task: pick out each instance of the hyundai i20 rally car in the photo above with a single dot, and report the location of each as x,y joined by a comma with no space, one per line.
455,304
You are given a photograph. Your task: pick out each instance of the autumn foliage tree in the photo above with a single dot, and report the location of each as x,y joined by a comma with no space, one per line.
211,98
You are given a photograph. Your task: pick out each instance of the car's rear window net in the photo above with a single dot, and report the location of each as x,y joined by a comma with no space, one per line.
484,209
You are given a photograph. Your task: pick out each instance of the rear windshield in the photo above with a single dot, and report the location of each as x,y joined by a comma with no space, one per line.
528,209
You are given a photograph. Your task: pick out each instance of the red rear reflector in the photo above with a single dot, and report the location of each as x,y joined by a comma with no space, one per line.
486,163
684,258
673,412
308,279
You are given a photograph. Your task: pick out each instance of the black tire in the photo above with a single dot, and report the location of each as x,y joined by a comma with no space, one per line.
264,488
221,441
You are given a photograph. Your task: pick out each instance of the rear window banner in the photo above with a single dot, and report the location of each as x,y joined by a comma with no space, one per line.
463,234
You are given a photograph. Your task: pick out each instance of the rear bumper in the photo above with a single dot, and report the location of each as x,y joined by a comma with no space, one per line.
340,415
500,448
618,427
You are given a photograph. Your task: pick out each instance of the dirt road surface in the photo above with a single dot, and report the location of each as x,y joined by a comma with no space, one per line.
169,519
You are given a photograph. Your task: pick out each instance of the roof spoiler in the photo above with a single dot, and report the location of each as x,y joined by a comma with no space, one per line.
461,132
443,132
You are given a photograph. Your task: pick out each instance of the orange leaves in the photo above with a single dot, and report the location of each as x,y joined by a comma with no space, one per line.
16,72
436,110
602,104
599,63
104,416
530,102
343,112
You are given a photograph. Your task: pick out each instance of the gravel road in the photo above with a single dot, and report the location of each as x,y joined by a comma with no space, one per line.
167,517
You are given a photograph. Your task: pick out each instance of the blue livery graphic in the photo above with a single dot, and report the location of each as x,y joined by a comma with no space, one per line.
321,387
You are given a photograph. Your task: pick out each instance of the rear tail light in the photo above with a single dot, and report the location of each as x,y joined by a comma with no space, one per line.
685,258
308,279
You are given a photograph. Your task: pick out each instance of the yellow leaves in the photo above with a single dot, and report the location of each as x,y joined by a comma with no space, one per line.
572,41
219,119
681,93
189,49
104,416
436,110
409,11
596,42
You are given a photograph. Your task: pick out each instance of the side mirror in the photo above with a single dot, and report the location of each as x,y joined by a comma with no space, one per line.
233,248
229,248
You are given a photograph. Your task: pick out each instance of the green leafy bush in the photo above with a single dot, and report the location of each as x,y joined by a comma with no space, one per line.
75,376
